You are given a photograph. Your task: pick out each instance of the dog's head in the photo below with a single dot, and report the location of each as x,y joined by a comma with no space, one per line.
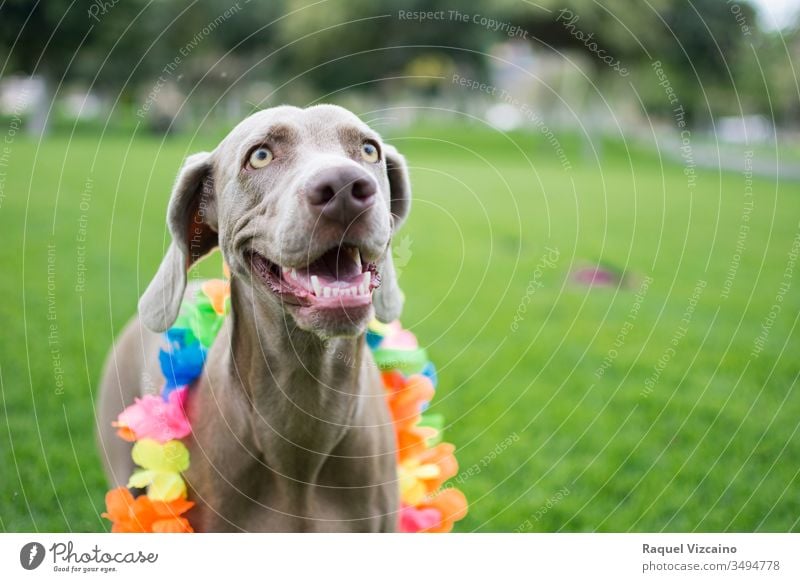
303,204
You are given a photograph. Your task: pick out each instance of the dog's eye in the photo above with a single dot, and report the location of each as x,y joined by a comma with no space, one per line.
369,151
260,158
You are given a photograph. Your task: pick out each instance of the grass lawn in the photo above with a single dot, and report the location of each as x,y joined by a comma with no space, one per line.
574,408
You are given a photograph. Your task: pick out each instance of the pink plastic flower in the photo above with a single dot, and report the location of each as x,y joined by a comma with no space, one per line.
151,417
414,520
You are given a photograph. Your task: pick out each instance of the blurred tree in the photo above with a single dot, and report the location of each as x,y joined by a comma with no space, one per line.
704,40
695,40
620,26
358,41
766,77
43,36
122,47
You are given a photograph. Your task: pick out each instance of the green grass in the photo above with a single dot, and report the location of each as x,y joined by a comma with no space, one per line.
713,447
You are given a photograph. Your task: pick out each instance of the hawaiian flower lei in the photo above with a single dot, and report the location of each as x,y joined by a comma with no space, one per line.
156,423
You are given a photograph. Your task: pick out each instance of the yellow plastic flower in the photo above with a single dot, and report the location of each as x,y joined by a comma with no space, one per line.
413,476
425,473
161,467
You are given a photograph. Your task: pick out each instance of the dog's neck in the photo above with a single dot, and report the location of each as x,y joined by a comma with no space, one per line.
303,391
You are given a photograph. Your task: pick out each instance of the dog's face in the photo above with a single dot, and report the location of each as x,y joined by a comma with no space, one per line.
303,204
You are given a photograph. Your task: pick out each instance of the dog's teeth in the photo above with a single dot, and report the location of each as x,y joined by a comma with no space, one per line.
367,280
326,291
335,291
357,256
293,274
316,286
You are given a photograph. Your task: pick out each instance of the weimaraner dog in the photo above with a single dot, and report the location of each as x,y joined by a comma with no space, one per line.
290,427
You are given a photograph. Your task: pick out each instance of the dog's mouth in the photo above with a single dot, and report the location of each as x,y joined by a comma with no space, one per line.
336,278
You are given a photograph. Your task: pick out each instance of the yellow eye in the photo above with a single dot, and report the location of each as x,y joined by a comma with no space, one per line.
260,158
370,153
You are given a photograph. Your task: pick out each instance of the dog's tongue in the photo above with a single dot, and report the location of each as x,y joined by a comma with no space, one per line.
337,273
339,265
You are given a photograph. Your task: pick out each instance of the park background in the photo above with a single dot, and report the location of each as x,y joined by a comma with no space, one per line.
601,257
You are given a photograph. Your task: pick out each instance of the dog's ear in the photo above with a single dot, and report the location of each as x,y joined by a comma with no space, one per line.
388,298
192,221
399,184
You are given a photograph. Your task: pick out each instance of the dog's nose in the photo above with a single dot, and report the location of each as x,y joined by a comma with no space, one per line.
341,193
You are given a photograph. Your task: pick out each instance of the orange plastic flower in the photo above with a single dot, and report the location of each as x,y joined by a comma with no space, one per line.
422,475
405,397
141,515
405,402
393,380
442,456
412,441
453,506
217,291
124,432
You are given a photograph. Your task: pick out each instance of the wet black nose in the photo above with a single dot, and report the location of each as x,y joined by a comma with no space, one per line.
341,193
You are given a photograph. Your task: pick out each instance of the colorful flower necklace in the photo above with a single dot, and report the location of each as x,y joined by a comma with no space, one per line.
156,423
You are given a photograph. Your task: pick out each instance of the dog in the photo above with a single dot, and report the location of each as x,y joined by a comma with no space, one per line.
290,429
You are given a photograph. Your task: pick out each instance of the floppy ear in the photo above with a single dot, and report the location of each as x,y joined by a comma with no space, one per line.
388,298
191,218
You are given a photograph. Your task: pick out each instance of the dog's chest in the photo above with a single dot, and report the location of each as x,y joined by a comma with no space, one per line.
266,467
